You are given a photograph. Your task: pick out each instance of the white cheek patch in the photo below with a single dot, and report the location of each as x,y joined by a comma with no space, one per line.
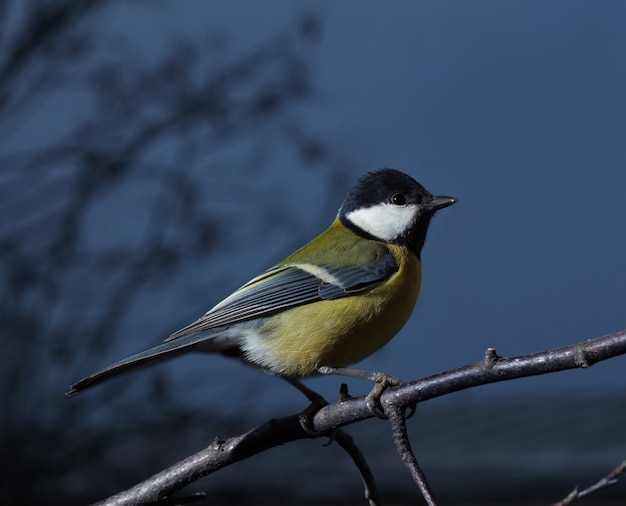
384,221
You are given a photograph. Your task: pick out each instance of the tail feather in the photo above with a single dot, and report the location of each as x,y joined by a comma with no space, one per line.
161,352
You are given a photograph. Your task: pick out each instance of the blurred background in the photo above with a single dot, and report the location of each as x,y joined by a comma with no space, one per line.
155,155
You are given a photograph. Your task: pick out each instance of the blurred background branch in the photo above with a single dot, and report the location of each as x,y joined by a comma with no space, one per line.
68,280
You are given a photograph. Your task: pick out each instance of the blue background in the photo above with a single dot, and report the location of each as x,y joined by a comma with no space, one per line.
517,108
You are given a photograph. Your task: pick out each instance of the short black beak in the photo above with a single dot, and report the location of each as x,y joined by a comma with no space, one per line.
440,202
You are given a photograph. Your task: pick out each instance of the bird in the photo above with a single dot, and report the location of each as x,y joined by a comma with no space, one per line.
333,302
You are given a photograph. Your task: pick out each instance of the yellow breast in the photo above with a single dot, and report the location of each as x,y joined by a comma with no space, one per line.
340,332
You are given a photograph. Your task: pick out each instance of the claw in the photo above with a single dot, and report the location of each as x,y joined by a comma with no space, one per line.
306,417
382,381
317,402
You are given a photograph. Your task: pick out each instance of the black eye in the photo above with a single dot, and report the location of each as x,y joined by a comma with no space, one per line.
398,199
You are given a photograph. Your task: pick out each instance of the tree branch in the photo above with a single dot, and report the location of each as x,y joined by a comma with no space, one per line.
490,369
608,480
400,434
346,442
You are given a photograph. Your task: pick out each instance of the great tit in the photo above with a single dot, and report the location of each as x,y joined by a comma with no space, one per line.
330,304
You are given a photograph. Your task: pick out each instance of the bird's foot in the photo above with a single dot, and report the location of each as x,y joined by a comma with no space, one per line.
317,402
306,417
382,382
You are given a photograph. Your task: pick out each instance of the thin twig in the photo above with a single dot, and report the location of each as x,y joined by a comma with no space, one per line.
346,442
397,419
608,480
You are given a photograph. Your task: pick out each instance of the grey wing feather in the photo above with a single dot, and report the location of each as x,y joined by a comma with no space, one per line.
354,280
288,286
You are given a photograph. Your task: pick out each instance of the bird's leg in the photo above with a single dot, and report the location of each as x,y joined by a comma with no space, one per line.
381,380
317,403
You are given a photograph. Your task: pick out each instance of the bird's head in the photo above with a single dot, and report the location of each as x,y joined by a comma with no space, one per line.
390,206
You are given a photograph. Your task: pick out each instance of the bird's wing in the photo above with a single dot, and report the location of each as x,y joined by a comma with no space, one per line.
292,285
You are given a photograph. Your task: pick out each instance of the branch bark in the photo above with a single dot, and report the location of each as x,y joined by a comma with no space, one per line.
490,369
400,433
607,481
